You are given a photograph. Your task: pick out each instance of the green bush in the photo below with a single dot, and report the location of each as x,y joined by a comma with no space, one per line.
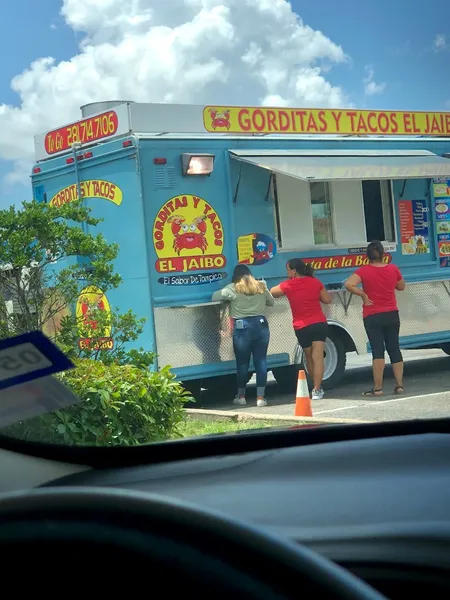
121,405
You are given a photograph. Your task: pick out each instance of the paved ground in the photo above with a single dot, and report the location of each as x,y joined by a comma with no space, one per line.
427,392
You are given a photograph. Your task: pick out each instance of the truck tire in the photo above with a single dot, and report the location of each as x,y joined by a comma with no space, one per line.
335,363
286,377
335,359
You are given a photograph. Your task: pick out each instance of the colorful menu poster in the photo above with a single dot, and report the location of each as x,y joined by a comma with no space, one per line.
414,227
441,193
255,249
245,249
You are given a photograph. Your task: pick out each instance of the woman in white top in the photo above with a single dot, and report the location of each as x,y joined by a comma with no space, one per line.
248,300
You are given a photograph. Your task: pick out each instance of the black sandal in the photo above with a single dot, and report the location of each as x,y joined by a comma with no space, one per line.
374,393
397,388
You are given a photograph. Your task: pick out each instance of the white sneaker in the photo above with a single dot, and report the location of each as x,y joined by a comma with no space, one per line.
240,401
261,402
317,394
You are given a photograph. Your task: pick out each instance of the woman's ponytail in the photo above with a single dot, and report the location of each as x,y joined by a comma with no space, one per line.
375,251
309,271
297,264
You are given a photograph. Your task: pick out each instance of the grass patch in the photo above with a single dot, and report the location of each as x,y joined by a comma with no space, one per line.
193,427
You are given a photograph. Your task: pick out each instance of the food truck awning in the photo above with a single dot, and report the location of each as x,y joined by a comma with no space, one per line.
325,165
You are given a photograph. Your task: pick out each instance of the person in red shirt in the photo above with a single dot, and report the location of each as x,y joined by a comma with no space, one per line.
380,314
305,293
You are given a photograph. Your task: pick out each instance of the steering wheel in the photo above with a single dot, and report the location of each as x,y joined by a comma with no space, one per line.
108,541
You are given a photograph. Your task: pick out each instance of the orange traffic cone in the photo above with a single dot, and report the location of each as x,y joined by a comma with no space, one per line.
302,400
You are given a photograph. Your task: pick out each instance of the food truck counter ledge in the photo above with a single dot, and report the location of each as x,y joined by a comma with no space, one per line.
190,191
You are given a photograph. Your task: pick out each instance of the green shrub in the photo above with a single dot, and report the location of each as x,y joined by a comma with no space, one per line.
120,405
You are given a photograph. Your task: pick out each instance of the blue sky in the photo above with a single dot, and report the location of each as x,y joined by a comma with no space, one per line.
398,44
408,62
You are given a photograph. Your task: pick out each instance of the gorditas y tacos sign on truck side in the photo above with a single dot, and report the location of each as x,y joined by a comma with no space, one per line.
94,320
93,189
188,236
92,309
186,208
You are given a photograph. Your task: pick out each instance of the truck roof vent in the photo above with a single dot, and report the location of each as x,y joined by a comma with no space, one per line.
87,110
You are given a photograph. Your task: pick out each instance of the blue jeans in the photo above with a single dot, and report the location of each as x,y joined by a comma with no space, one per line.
252,340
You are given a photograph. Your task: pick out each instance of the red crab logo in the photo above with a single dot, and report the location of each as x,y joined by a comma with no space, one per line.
188,236
262,253
89,310
220,119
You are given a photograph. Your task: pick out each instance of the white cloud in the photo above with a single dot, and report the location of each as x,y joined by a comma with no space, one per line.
371,87
186,51
440,43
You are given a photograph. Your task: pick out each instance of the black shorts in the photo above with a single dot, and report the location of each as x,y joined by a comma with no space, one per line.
317,332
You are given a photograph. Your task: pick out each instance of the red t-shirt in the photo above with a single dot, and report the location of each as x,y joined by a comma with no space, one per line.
303,294
379,284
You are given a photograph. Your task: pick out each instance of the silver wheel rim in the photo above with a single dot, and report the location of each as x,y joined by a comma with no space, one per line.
331,358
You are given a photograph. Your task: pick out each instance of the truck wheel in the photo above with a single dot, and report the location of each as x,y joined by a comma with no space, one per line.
335,359
335,362
286,377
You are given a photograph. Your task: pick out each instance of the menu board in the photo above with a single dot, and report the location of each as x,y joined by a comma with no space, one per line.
441,193
414,227
255,249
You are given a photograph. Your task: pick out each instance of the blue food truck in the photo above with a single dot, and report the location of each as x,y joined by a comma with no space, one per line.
190,191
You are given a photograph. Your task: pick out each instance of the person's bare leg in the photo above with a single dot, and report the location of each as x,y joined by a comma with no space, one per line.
378,372
309,361
318,350
397,369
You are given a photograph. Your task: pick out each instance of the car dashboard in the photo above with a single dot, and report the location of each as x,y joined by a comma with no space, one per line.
379,507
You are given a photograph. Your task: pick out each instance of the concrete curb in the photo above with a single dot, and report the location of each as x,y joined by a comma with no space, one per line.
228,415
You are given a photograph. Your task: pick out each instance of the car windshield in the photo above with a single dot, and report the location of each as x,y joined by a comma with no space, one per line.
181,268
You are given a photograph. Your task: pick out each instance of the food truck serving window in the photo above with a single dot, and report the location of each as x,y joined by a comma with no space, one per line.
338,197
335,213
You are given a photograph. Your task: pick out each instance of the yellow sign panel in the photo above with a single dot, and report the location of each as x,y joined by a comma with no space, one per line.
94,188
93,314
239,119
245,248
188,235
